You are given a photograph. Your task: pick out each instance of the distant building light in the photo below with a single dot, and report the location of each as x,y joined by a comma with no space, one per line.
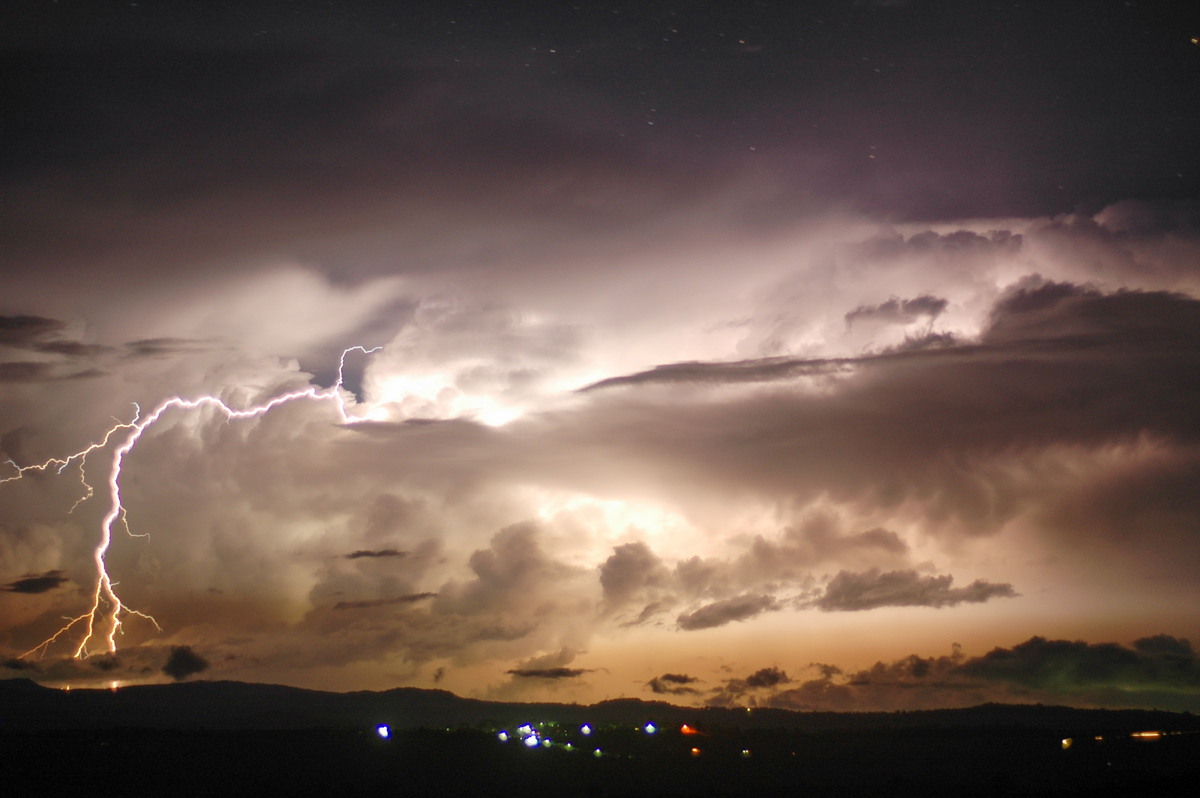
695,752
650,728
546,743
503,736
383,730
569,747
525,728
745,753
1147,735
1067,743
585,729
686,729
597,753
531,741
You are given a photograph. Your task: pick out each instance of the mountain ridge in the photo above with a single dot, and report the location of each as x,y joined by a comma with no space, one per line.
28,706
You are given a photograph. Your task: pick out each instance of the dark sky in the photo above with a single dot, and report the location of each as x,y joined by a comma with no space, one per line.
718,340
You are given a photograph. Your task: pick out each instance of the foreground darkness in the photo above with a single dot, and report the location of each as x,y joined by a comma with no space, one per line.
931,761
238,739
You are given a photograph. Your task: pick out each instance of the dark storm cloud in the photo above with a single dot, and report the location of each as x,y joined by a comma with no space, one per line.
184,662
26,332
757,370
164,347
735,690
1162,670
766,677
384,602
1153,662
36,583
849,591
374,553
548,673
107,664
38,334
899,311
719,613
673,684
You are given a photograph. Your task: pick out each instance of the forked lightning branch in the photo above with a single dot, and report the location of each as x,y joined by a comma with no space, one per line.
103,619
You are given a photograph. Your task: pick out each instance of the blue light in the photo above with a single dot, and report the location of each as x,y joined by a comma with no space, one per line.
650,728
383,730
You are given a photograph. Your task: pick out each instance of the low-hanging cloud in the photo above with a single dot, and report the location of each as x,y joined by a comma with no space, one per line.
375,553
383,602
36,583
719,613
184,662
673,684
548,673
850,591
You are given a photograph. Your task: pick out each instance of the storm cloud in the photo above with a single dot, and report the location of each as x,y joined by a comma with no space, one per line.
184,662
688,360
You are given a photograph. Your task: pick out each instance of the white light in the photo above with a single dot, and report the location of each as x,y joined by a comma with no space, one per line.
525,729
531,741
650,728
546,743
503,736
597,753
383,731
585,729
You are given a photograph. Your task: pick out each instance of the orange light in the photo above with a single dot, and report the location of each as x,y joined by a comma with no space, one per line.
695,752
1147,735
686,729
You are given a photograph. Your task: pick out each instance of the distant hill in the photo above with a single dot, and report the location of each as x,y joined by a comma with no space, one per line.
200,705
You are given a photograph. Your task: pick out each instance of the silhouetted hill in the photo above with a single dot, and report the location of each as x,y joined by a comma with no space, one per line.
232,739
27,706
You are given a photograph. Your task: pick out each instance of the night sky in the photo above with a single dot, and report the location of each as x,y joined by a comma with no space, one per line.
820,355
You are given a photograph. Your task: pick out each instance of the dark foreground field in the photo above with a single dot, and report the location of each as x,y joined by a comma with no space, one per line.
472,762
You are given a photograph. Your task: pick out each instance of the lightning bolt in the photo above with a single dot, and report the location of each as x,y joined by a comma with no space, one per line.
107,609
